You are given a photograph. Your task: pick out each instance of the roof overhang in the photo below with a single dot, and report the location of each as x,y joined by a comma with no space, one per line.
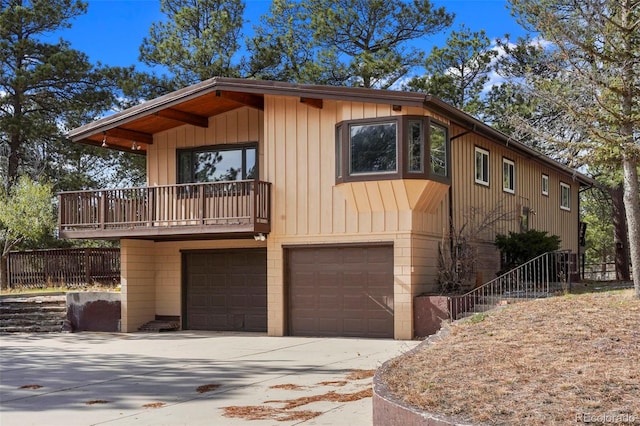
195,104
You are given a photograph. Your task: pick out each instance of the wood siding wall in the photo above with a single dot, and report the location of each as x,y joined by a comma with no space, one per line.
238,126
528,191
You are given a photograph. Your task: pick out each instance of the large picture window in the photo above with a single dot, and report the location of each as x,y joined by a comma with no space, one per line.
374,148
217,163
410,147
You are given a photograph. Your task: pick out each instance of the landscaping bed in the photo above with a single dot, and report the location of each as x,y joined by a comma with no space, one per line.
549,361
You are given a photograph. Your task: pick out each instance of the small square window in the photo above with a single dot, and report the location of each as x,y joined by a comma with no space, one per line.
545,185
508,176
482,166
565,196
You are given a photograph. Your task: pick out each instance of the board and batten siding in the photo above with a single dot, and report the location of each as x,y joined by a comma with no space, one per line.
300,144
468,195
309,208
234,127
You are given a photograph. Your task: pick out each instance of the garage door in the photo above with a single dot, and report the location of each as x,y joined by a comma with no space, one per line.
340,291
225,290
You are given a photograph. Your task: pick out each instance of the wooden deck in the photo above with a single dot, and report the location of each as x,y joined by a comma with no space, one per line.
203,210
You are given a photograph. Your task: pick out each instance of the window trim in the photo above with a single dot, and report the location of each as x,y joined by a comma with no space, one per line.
343,150
512,167
545,178
484,152
563,187
219,147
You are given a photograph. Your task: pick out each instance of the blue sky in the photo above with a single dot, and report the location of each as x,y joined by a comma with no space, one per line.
111,31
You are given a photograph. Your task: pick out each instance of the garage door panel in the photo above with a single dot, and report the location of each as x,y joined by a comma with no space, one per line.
226,290
341,291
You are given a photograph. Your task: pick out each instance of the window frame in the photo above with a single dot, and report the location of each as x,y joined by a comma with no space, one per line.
545,184
512,181
244,147
446,178
485,153
565,187
343,150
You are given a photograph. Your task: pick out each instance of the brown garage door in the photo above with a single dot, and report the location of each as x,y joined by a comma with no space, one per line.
341,291
225,290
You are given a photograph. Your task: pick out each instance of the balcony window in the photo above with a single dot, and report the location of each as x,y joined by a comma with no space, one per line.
399,147
217,164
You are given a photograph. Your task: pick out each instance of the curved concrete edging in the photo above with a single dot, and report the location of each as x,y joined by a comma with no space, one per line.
389,410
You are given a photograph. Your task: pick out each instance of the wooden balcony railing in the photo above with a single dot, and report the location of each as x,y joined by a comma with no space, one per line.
172,210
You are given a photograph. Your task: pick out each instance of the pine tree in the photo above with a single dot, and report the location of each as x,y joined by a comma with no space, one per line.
595,52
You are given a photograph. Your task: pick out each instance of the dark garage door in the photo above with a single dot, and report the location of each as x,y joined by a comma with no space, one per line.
226,290
341,291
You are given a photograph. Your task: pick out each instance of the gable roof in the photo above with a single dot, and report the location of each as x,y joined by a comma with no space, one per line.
196,103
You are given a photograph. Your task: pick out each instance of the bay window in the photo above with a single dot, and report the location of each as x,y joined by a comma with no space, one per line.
402,147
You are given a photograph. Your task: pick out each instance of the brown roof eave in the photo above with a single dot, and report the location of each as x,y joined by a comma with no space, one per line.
260,87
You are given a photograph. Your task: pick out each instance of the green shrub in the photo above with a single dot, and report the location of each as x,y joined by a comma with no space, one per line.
519,247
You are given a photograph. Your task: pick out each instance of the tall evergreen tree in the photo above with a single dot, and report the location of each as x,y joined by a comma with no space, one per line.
197,41
44,87
458,72
352,43
597,42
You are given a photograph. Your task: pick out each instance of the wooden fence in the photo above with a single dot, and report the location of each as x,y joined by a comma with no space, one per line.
64,267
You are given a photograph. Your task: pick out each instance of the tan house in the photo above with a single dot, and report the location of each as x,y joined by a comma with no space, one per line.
306,210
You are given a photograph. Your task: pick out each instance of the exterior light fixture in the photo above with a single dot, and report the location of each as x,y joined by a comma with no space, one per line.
260,237
135,146
104,139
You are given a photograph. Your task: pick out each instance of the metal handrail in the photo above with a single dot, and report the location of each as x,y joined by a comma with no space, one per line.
536,278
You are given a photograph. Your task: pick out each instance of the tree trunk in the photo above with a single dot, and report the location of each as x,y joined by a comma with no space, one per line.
632,206
4,272
620,233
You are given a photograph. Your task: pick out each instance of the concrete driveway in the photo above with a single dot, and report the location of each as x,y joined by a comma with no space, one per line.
188,378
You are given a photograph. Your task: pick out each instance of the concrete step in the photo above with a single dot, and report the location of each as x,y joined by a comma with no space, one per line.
32,314
27,309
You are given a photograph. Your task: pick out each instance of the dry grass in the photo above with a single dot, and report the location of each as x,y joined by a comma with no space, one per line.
536,363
